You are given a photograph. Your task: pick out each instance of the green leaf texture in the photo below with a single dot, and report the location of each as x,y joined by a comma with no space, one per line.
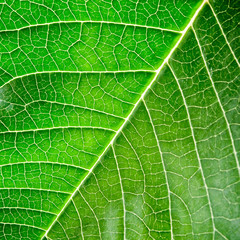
119,119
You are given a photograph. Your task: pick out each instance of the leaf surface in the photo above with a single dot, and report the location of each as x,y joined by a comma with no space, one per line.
119,120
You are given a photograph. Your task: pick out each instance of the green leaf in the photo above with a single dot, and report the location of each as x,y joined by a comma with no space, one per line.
119,119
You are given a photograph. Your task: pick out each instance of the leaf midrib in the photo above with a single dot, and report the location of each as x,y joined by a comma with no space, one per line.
132,111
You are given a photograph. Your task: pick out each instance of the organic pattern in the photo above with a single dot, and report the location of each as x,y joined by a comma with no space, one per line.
119,119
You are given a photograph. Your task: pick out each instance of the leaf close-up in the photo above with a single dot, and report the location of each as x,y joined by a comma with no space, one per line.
119,119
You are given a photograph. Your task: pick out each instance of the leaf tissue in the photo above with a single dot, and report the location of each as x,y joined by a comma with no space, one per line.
119,119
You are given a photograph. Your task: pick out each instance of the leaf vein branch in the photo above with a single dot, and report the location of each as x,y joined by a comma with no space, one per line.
164,168
120,180
196,148
219,101
91,21
223,33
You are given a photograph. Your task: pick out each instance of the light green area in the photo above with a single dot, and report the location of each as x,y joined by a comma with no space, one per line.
95,145
83,47
166,13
